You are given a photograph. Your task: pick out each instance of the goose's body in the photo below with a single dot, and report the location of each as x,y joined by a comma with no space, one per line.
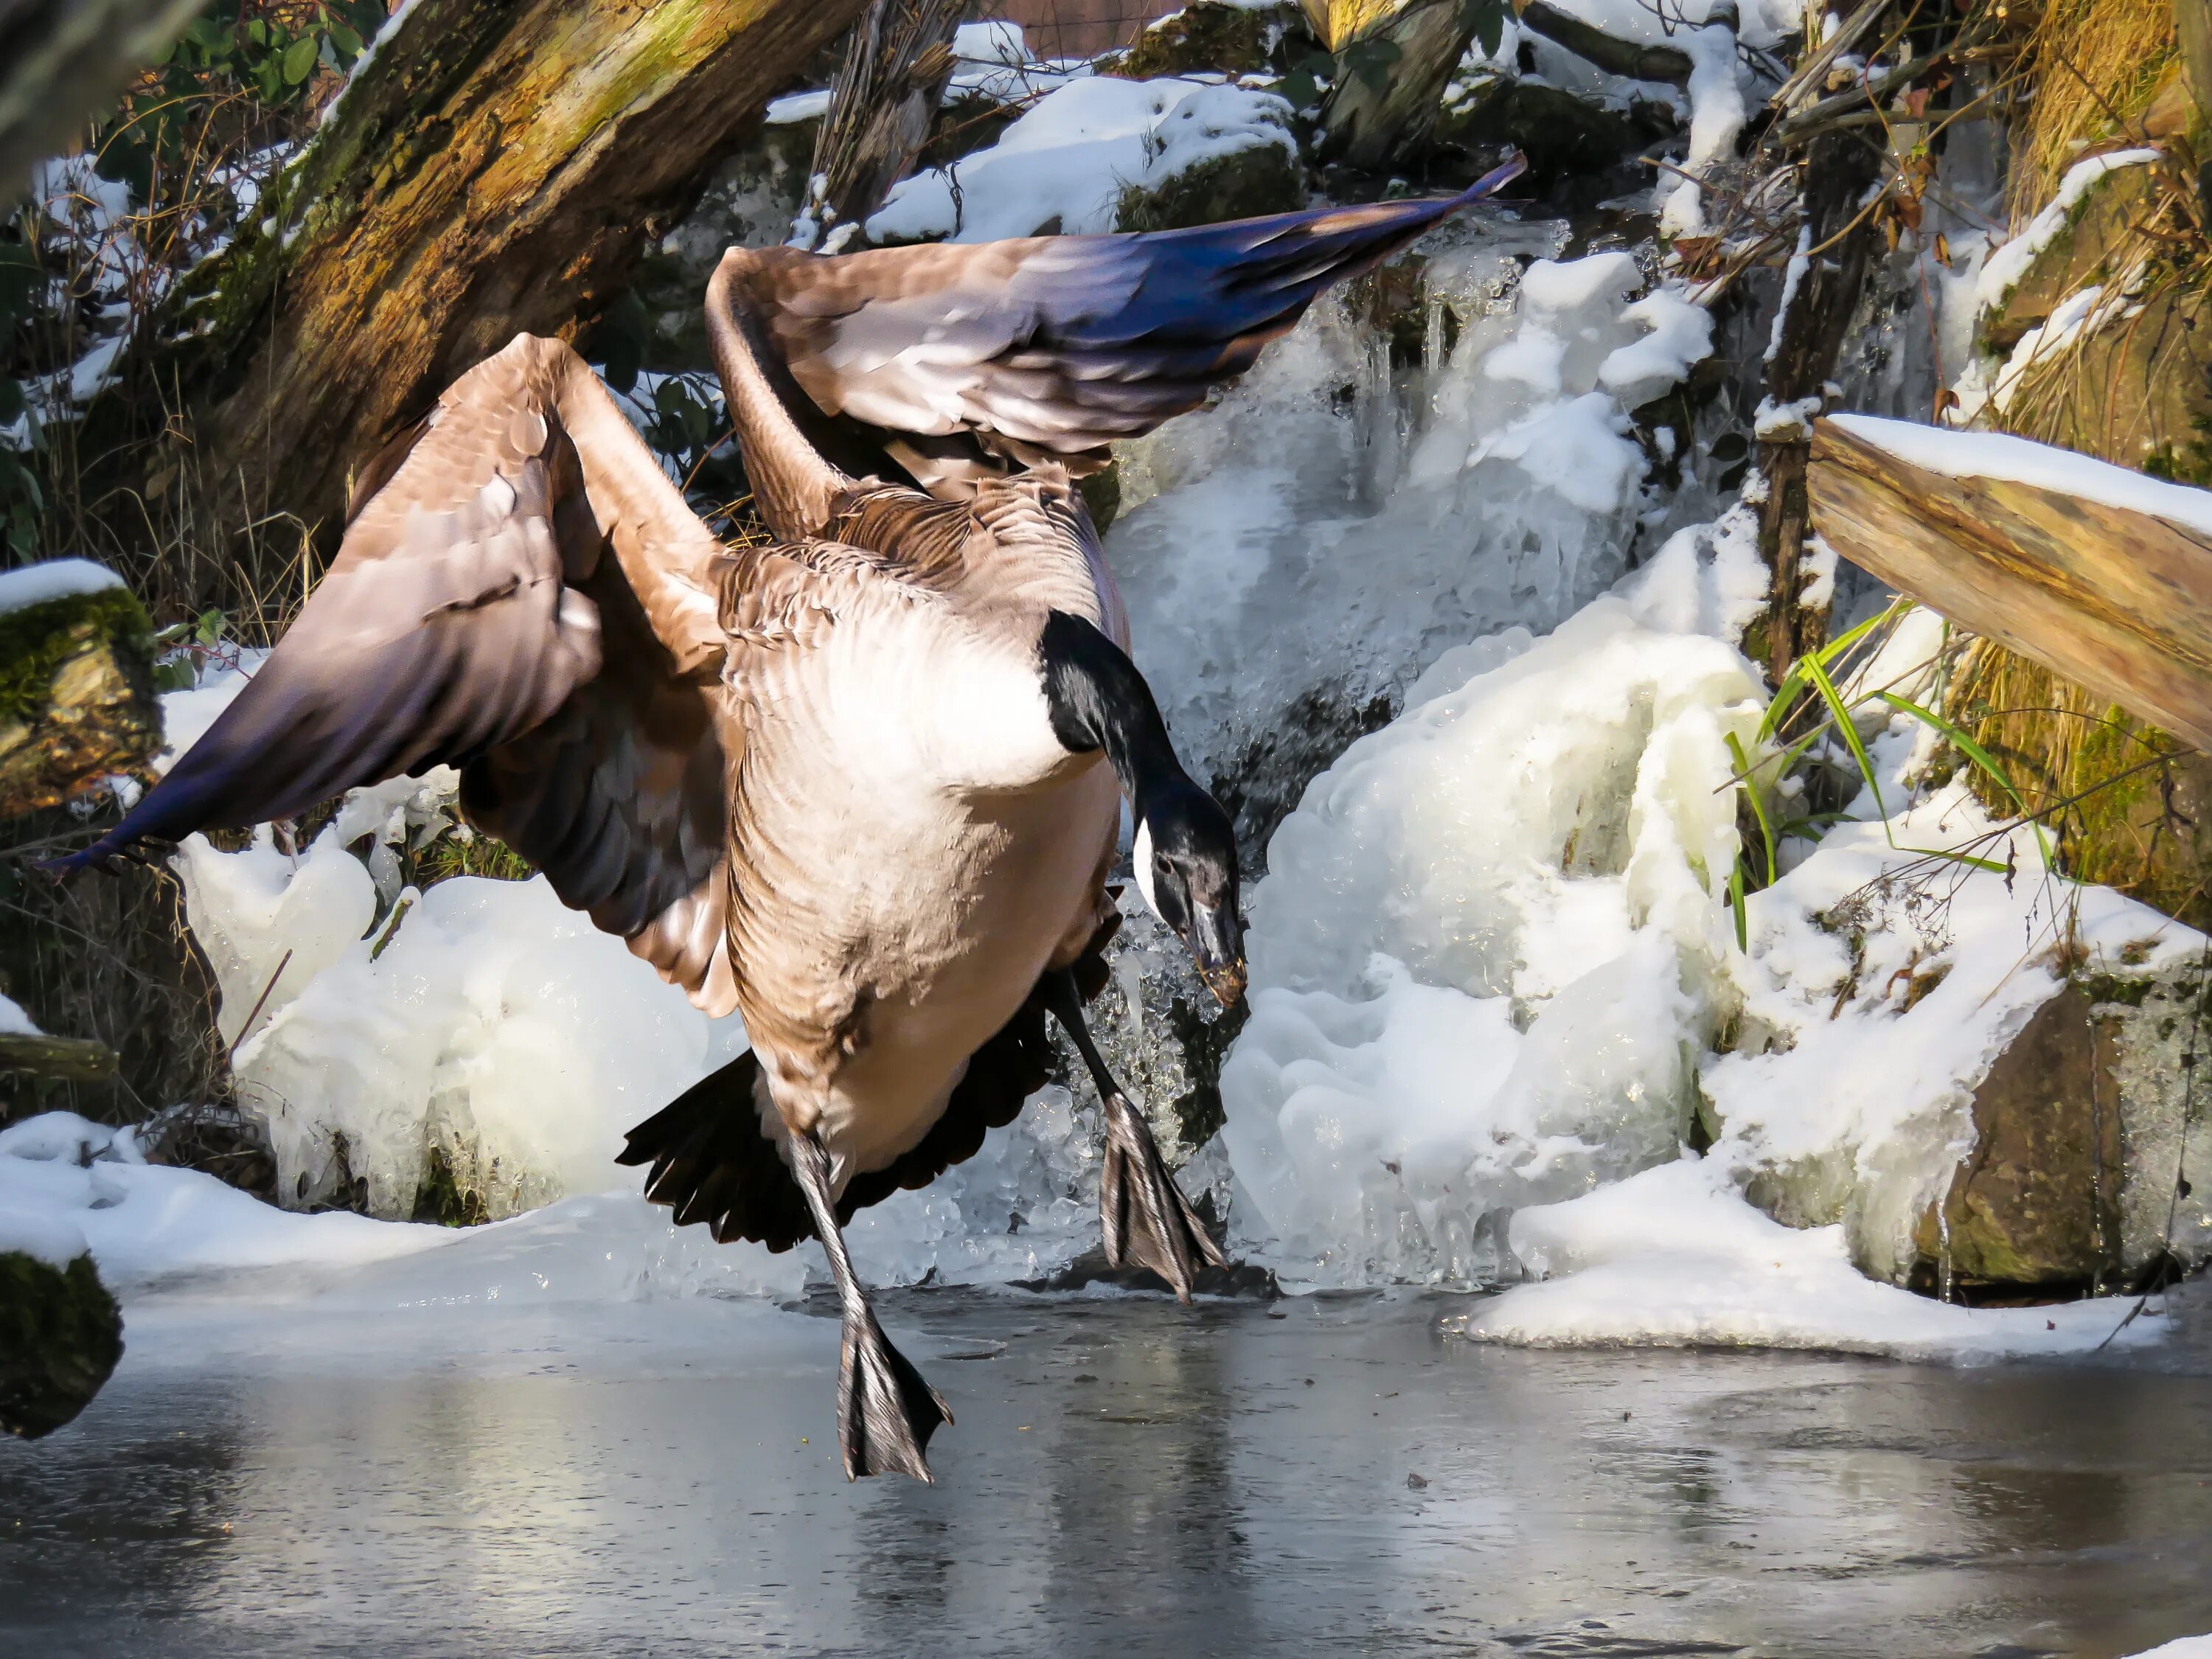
899,698
861,784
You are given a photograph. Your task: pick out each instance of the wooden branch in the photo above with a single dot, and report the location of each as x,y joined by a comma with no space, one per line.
79,1059
1374,126
2116,599
1609,52
897,64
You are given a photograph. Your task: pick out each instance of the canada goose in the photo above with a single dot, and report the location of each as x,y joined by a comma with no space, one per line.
847,783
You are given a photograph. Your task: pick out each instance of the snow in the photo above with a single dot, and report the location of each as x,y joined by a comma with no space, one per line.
1999,456
1717,111
14,1022
2189,1647
1675,1257
1493,963
2002,272
1069,157
1524,868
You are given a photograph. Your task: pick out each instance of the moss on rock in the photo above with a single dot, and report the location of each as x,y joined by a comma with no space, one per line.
1243,184
1212,38
60,1336
76,695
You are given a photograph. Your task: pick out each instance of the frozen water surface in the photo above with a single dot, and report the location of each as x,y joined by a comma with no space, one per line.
1328,1474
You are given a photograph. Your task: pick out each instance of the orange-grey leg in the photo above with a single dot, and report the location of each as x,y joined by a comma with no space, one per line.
885,1412
1147,1219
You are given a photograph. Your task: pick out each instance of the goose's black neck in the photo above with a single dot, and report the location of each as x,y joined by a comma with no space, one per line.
1099,701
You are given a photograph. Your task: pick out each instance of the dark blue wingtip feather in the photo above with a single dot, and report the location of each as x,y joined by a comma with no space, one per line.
1494,180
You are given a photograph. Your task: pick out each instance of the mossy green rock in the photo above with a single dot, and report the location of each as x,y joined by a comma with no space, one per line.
60,1336
2082,1177
76,697
1242,185
1561,135
1212,38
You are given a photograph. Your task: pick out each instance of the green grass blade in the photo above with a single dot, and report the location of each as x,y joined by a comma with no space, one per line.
1736,903
1980,756
1758,806
1817,672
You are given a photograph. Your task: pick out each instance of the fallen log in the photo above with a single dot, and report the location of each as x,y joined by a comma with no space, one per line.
1630,59
2102,574
494,167
74,1060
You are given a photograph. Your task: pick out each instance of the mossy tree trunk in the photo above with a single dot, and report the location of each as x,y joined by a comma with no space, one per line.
494,167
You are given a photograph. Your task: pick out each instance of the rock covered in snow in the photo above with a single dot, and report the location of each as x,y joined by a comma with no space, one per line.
76,692
1066,164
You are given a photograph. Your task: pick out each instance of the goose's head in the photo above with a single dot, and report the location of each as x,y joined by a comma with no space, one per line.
1186,867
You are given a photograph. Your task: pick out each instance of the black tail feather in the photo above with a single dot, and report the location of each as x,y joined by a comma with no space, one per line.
712,1164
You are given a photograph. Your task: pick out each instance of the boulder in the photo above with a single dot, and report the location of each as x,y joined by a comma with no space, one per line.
2077,1166
1562,135
1210,37
76,695
60,1336
1242,185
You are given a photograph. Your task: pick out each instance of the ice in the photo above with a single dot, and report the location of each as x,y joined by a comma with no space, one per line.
1479,953
1675,1257
57,578
1312,542
2020,461
1067,161
1494,974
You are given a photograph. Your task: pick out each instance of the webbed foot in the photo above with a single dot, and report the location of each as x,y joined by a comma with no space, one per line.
885,1412
1147,1219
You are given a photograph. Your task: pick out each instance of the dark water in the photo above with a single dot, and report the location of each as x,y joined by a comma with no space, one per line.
1126,1478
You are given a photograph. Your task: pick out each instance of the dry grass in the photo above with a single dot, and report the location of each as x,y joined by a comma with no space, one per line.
2094,65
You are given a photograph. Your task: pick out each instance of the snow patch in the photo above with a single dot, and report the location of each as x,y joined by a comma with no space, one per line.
1675,1257
57,578
1068,159
2020,461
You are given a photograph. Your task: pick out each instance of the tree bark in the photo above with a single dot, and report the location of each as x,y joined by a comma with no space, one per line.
1608,52
1840,239
1370,121
896,68
493,167
2109,597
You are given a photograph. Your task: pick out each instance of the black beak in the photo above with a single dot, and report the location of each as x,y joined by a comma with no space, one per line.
1217,940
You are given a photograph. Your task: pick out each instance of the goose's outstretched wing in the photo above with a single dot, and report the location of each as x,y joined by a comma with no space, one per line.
523,595
1060,344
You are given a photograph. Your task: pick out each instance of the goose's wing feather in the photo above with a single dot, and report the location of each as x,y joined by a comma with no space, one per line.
1060,344
527,597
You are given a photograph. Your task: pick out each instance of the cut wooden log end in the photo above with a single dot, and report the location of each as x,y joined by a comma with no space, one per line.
76,697
2118,599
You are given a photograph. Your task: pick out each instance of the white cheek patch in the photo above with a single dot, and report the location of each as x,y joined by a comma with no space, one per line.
1141,856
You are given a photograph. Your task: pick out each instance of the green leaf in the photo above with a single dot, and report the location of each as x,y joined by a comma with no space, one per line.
1736,903
1743,768
1974,752
1793,682
299,60
1303,91
1817,672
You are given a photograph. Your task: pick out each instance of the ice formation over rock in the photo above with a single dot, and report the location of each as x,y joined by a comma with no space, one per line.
1296,556
1484,951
